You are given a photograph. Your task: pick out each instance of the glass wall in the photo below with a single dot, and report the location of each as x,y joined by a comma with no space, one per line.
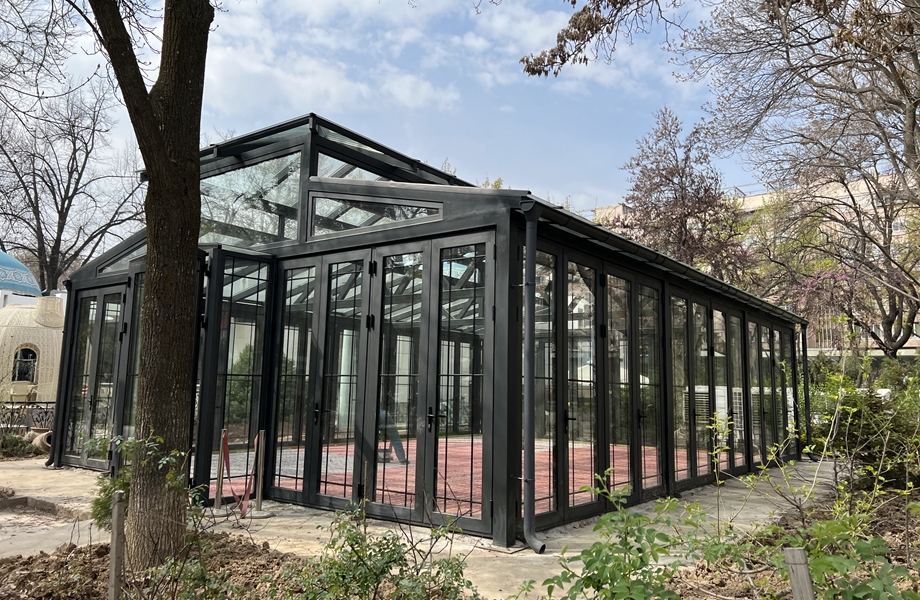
789,392
618,381
581,376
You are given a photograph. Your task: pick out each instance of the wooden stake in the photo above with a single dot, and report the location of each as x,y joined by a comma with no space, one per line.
799,575
117,547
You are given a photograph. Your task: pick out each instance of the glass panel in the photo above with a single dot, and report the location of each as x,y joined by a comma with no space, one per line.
239,370
253,205
344,139
779,406
722,416
24,365
134,362
397,400
701,411
333,167
104,388
295,405
650,386
122,263
461,335
335,215
766,374
544,384
619,388
756,392
739,439
789,393
80,395
680,388
581,410
340,378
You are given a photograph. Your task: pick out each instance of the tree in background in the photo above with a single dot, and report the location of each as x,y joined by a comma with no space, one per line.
823,98
63,192
676,205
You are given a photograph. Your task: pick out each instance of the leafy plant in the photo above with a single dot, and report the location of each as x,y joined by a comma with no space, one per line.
623,565
357,564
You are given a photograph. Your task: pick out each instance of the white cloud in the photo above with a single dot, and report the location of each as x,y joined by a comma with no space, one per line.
412,91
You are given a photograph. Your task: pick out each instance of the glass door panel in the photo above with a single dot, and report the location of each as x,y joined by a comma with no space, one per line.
93,378
581,402
738,415
767,386
651,463
680,386
619,385
701,412
721,420
402,333
344,322
545,403
294,409
756,393
457,417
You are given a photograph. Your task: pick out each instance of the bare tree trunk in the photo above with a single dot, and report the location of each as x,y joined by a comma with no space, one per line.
167,122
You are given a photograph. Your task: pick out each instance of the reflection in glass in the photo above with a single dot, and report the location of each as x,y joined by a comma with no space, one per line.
779,405
756,392
336,215
461,338
680,386
252,205
701,410
581,409
397,397
294,405
650,387
739,439
340,378
239,368
544,384
618,382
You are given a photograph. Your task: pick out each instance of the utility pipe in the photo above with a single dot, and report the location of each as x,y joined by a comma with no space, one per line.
531,214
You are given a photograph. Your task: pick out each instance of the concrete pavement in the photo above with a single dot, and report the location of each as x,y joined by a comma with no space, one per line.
57,506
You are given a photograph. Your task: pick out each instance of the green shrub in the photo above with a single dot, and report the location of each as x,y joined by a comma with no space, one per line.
623,564
15,446
356,564
106,486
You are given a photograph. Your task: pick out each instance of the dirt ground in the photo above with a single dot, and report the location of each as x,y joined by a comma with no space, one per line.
81,573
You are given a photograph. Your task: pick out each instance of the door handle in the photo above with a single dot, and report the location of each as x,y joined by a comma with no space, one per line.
316,414
431,419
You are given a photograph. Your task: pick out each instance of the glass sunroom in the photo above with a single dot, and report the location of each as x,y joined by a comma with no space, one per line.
369,313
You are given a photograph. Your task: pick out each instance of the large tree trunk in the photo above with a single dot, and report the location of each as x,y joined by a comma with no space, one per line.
167,122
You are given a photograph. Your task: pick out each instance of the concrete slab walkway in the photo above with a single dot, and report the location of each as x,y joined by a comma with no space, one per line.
61,498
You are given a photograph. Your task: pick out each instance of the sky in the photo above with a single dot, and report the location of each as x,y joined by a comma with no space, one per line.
439,79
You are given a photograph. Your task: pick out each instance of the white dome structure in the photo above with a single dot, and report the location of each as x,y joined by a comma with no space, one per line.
30,349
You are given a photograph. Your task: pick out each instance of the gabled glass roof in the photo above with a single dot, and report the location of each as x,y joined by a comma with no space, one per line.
330,136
